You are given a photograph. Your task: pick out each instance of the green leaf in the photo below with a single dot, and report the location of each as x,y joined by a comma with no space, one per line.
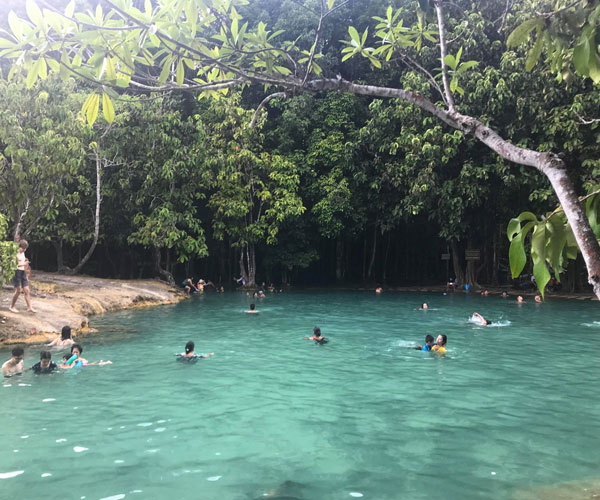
330,4
354,34
111,74
516,256
538,254
92,110
514,227
32,75
535,52
180,73
70,9
521,33
450,61
33,12
581,56
15,25
107,108
592,209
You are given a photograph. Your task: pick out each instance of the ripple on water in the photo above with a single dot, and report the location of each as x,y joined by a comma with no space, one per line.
356,494
213,478
79,449
160,429
47,400
145,424
114,497
61,440
8,475
46,474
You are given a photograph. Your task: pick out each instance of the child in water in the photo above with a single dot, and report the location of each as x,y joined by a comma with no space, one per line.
440,344
317,337
428,344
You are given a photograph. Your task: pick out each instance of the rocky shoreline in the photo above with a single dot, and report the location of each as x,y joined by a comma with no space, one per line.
70,300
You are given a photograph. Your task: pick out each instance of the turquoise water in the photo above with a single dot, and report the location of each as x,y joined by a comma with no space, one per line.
512,406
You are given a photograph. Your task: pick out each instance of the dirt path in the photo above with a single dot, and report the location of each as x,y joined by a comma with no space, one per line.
70,300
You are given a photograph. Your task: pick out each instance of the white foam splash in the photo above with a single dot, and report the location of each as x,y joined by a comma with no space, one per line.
114,497
47,400
160,429
61,440
24,385
160,421
46,474
79,449
356,494
493,473
16,451
119,461
213,478
153,450
218,453
8,475
25,437
135,491
145,424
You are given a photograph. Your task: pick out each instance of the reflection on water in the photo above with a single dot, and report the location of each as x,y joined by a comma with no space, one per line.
503,414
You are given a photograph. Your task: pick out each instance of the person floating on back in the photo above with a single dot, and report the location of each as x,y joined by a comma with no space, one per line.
440,344
45,364
252,309
478,318
189,354
317,337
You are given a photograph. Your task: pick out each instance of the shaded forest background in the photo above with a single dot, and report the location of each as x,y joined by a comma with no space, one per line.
329,188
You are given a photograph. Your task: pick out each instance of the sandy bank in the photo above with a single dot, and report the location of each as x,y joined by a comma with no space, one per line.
69,300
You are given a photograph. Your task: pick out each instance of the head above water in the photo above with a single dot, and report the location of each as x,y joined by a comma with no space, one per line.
252,307
189,347
428,339
76,349
316,331
65,333
18,352
45,358
424,305
441,339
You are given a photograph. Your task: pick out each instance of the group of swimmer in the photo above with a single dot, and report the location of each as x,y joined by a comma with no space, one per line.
14,366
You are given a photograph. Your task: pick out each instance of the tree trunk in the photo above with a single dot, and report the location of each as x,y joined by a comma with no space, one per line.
373,253
60,265
90,251
459,274
163,274
243,273
339,259
251,253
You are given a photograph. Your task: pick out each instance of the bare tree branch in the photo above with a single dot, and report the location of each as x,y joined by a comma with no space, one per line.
442,31
263,103
586,121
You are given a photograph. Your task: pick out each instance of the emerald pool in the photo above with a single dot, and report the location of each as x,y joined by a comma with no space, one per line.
512,407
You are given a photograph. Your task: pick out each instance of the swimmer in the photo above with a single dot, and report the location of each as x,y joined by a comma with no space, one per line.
255,295
317,337
520,300
440,344
538,299
504,295
189,355
75,359
64,339
478,317
378,290
485,293
14,366
45,365
428,344
252,309
423,307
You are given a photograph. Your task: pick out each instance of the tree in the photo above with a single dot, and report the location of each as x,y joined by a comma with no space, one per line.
126,47
253,192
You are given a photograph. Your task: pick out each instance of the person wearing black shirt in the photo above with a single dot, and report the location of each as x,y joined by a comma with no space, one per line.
45,365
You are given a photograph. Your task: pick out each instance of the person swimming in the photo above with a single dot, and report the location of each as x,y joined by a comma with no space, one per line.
252,309
428,344
423,307
317,337
440,344
478,318
189,354
64,339
45,364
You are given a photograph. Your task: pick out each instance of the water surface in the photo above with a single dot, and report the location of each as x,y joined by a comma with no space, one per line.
510,407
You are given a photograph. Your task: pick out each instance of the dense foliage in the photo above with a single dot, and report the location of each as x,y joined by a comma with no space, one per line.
329,187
